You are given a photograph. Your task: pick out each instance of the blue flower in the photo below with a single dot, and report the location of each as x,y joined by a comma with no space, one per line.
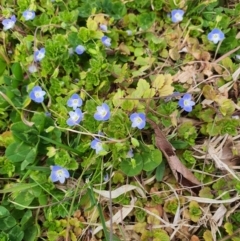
97,145
28,15
102,113
138,120
32,68
74,101
75,117
106,177
130,153
186,103
9,23
106,41
103,27
37,94
59,174
80,49
39,54
177,15
216,35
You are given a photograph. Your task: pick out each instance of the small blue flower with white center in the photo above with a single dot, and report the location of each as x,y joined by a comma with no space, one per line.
216,35
130,153
75,101
103,27
106,41
32,68
80,49
9,23
102,113
97,145
37,94
59,174
29,15
75,117
138,120
177,15
186,102
39,55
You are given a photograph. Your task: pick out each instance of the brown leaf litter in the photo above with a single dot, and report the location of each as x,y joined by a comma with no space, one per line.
183,175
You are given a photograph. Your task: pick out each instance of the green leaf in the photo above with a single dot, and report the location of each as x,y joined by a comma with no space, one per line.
16,234
179,145
229,228
7,223
17,71
151,159
134,142
39,120
73,39
31,233
3,211
3,66
145,20
160,171
118,10
84,34
61,145
132,167
205,192
25,133
26,218
18,187
24,199
18,152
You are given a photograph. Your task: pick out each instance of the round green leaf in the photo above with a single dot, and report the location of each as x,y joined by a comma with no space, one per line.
132,167
151,159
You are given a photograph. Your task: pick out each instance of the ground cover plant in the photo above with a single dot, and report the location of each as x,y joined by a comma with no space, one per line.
119,120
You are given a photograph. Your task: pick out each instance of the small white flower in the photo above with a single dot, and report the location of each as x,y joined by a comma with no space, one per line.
32,68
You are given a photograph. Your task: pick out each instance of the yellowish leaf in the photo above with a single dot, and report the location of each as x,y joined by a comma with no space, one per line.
229,228
118,98
142,87
153,220
173,118
140,227
91,24
227,106
149,93
209,93
162,84
166,90
207,235
174,54
158,82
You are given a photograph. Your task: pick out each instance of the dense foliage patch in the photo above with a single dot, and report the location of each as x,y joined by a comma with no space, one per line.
119,120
